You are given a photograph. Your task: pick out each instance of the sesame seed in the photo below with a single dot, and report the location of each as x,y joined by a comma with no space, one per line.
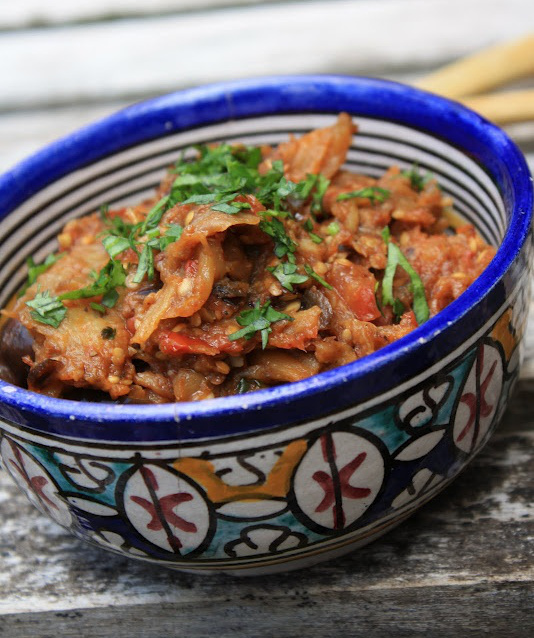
222,367
185,287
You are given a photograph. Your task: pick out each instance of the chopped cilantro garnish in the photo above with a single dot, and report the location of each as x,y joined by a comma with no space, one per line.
109,277
35,270
46,309
317,200
108,332
304,188
373,193
230,209
172,234
146,265
247,385
258,319
110,298
283,244
314,186
98,307
308,225
333,228
317,277
115,245
396,258
154,215
417,179
287,275
52,311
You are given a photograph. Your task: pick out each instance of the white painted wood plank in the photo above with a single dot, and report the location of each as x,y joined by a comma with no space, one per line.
131,58
22,134
29,13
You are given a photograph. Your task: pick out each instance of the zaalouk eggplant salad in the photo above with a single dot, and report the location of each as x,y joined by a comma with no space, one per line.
250,267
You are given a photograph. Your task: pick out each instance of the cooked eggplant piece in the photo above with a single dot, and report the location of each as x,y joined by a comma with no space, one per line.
314,297
15,343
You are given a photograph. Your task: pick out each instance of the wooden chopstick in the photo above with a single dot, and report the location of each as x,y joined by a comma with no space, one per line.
483,71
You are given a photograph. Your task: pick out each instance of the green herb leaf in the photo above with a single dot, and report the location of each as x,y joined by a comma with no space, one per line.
172,234
283,244
287,275
109,277
258,319
35,270
46,309
373,193
308,225
396,258
305,187
115,245
108,332
333,228
317,277
155,214
317,200
146,265
248,385
98,307
231,209
417,180
110,298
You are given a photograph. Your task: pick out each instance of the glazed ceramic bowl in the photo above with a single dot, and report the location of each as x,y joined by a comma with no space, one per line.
292,475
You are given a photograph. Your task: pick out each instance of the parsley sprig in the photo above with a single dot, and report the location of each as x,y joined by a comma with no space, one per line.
287,274
373,193
284,246
417,180
51,310
47,309
258,319
106,282
35,270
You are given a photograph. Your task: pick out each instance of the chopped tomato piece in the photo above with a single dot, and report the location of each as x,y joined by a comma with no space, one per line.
174,343
356,285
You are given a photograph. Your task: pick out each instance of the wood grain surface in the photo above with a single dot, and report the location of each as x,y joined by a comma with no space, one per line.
464,564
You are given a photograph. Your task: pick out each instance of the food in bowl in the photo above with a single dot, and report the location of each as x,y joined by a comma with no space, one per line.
300,472
249,267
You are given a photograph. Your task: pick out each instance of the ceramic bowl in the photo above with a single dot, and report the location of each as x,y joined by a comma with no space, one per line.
288,476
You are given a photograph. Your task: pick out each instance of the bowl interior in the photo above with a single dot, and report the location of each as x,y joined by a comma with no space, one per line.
126,177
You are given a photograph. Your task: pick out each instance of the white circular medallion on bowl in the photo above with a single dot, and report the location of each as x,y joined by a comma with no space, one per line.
166,509
338,479
479,399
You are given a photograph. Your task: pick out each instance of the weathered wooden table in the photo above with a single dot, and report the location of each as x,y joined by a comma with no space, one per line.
463,565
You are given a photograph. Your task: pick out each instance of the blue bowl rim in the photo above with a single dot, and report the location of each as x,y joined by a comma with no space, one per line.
435,115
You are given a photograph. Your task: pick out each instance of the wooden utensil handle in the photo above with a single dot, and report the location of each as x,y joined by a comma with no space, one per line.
505,107
483,71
